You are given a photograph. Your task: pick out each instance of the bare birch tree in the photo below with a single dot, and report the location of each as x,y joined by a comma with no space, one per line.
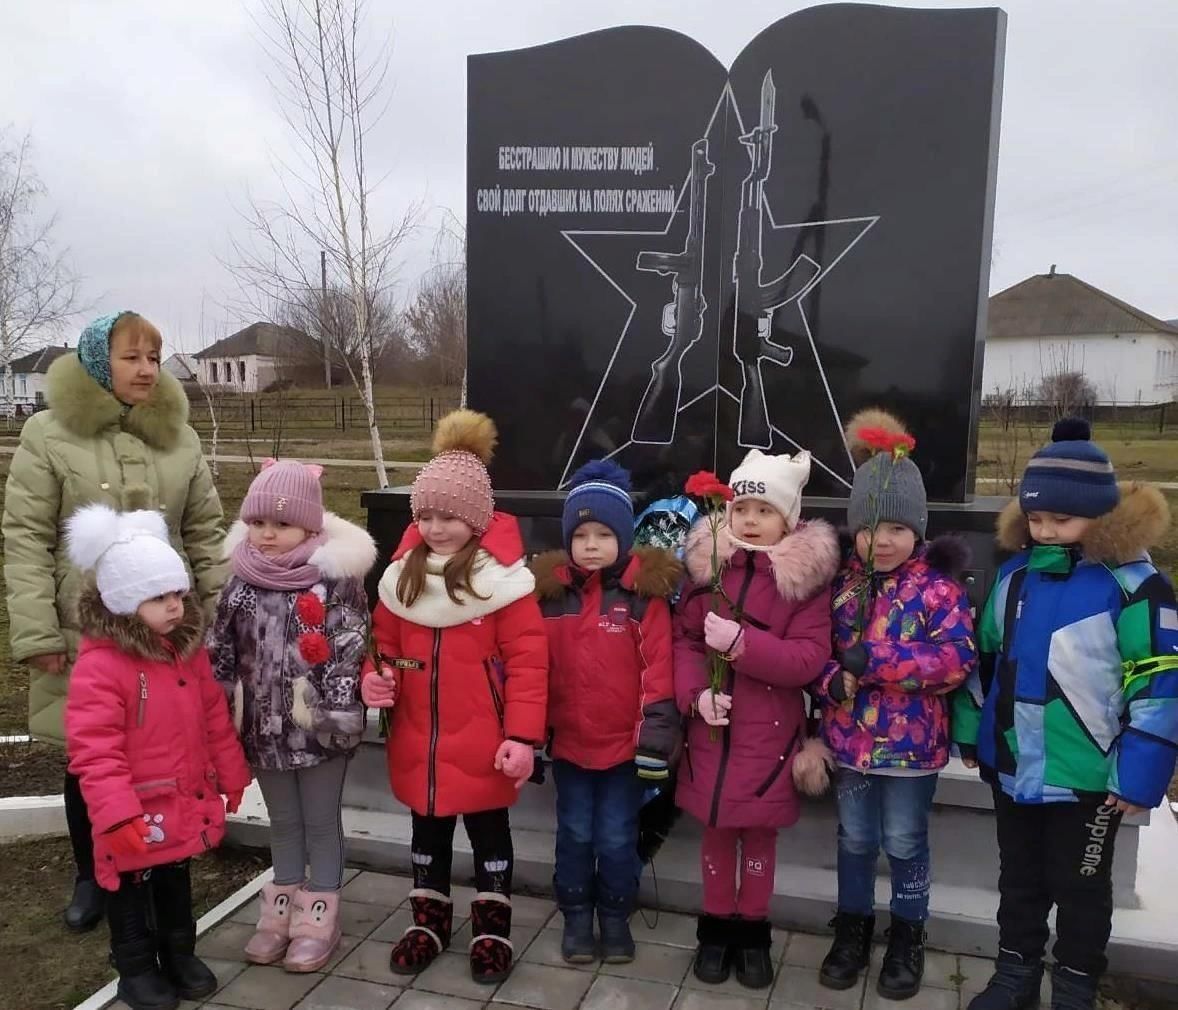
38,288
330,90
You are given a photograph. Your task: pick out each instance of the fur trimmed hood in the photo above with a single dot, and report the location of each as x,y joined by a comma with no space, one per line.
84,408
132,636
651,572
802,563
1138,522
348,552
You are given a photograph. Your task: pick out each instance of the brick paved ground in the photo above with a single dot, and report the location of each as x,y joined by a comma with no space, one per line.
374,914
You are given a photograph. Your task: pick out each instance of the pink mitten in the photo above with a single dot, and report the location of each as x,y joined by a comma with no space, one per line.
379,689
516,760
723,635
713,706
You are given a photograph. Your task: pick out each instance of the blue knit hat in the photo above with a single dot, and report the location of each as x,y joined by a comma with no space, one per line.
1071,476
600,493
94,348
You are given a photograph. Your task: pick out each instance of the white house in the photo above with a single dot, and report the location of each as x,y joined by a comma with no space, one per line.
1051,324
28,376
253,358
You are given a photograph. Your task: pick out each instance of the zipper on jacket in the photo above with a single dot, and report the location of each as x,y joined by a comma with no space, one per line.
432,769
142,698
781,763
495,699
750,570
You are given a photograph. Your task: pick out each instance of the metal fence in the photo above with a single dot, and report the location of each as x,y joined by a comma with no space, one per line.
268,413
1154,417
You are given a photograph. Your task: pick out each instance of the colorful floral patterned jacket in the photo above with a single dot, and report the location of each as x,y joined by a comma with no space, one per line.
919,646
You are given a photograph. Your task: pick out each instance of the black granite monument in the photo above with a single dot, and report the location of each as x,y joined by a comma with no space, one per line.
671,262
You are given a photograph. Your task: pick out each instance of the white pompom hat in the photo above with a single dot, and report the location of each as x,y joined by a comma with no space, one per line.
129,553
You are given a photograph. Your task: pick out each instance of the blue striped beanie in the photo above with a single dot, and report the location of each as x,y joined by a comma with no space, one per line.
1071,475
600,493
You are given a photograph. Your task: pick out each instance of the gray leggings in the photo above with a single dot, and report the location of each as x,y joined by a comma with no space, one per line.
306,823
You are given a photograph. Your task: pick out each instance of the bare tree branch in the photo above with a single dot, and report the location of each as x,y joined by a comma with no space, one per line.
38,287
326,85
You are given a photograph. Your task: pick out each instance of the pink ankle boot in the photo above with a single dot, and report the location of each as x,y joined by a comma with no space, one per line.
314,930
268,944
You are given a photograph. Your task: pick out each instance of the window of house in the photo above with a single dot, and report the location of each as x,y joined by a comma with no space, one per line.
213,366
241,372
24,385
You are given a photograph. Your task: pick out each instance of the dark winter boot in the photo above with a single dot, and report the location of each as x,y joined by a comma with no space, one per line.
142,986
851,951
1013,986
754,966
1072,990
903,963
713,956
433,922
577,945
617,944
175,932
85,909
490,945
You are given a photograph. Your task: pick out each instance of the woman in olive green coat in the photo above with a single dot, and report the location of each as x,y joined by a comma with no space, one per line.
115,432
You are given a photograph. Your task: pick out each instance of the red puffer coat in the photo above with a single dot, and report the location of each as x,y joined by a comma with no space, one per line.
148,733
742,779
610,693
469,676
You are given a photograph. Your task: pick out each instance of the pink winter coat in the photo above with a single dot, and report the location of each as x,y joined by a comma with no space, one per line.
148,733
742,778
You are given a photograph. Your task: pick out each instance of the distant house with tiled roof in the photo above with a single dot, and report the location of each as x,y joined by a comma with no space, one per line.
1055,323
251,359
28,375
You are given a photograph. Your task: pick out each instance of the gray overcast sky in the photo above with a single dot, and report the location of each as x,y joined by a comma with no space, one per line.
151,119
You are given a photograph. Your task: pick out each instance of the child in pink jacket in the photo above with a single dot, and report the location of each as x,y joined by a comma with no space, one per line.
148,734
736,773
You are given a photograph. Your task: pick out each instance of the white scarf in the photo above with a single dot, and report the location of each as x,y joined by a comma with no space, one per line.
499,584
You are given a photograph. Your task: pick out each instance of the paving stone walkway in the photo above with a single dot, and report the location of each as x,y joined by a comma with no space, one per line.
374,914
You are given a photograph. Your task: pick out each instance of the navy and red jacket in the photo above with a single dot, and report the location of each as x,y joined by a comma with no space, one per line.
610,692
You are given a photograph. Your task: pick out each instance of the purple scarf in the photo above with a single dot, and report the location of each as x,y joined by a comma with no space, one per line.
289,571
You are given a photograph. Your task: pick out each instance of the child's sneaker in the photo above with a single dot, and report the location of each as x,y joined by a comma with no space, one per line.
1072,990
617,944
1013,986
576,943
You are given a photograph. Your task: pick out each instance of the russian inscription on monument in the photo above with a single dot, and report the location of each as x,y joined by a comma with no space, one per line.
673,262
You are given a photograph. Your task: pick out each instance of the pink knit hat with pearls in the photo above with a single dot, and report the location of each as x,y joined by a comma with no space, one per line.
455,482
286,492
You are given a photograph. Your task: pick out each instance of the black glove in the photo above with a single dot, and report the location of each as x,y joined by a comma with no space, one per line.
854,660
537,775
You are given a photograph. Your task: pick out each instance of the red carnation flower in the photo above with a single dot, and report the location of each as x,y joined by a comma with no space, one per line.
310,609
705,484
882,440
313,648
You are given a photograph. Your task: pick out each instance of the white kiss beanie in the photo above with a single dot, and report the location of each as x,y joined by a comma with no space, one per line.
777,480
129,553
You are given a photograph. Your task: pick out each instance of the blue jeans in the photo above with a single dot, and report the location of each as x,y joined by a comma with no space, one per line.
597,837
892,810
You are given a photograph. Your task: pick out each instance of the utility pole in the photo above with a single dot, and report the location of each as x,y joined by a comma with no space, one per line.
323,316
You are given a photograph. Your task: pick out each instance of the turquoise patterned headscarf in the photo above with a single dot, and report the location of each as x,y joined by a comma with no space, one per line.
94,348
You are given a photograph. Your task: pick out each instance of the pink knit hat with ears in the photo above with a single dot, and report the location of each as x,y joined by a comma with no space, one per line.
455,482
286,491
